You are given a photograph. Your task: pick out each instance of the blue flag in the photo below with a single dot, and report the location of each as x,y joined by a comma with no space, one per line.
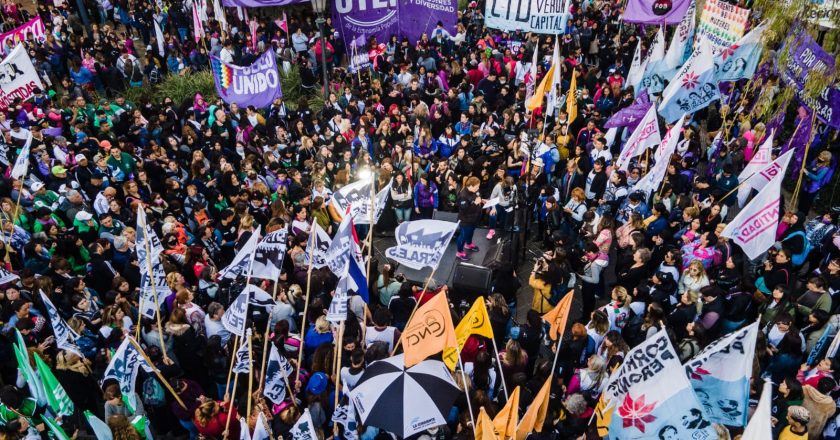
694,87
740,60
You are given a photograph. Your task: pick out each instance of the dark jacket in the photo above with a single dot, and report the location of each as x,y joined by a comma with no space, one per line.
469,213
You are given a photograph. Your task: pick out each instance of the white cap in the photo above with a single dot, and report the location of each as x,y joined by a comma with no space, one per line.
83,216
36,186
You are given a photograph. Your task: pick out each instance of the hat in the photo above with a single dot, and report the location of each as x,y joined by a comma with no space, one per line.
317,383
80,136
80,157
58,169
665,277
96,157
106,144
36,186
796,412
83,216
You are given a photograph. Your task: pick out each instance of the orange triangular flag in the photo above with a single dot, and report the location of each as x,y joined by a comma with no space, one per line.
536,101
507,419
429,332
535,415
484,427
559,315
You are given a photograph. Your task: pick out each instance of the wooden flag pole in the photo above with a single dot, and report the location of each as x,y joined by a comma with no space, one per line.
339,348
250,372
265,339
795,197
146,239
232,396
232,361
416,305
501,373
304,322
163,381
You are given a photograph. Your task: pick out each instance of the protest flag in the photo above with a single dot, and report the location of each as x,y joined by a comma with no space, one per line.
721,373
571,99
21,166
198,28
531,76
760,426
242,359
507,418
277,371
681,43
55,428
645,135
536,100
754,228
694,87
239,265
484,427
475,322
421,243
260,430
652,81
316,249
761,175
740,60
36,388
534,416
125,365
637,68
650,181
559,316
337,311
603,417
419,341
555,80
100,429
304,428
65,337
58,400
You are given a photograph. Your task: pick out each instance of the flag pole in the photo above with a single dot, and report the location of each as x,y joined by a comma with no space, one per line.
557,351
250,372
416,305
339,348
304,322
466,383
372,221
501,373
232,360
146,239
265,338
232,396
163,381
795,197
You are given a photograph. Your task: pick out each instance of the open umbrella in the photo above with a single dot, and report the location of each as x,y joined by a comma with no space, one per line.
404,401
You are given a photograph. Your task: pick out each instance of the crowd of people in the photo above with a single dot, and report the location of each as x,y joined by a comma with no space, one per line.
444,119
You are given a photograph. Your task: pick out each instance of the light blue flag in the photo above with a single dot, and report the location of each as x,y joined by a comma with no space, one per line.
694,87
681,44
720,376
740,60
100,428
652,80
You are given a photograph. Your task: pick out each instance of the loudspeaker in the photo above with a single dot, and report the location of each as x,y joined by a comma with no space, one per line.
498,253
446,216
470,281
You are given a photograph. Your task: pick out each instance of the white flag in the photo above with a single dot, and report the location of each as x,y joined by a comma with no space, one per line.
531,76
356,198
754,228
144,232
277,369
721,373
645,135
242,260
220,14
234,318
125,364
345,415
653,178
304,429
242,360
268,258
555,80
609,138
261,430
65,337
421,243
244,432
683,37
637,69
382,200
760,427
338,306
159,37
340,250
317,247
21,167
761,173
7,277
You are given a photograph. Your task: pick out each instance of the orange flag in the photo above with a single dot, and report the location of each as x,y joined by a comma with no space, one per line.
507,419
484,427
535,415
536,100
430,331
559,315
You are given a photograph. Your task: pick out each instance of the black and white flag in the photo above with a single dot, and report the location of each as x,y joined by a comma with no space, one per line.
65,337
304,428
268,258
21,167
338,307
345,415
341,248
242,360
354,197
421,243
242,261
236,315
317,247
382,200
125,364
276,371
7,277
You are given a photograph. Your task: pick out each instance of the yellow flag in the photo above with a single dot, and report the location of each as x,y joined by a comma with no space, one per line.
475,322
535,415
603,417
507,419
559,315
536,101
429,332
484,427
571,100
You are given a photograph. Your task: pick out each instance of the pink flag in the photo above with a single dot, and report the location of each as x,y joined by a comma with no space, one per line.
252,25
198,28
285,23
754,228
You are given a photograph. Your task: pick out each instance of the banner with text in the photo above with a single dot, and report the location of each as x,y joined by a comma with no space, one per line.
722,24
806,56
538,16
257,84
18,77
34,27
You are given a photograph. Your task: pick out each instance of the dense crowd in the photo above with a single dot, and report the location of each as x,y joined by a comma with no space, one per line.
444,117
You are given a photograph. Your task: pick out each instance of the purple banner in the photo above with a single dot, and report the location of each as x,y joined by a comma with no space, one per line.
655,11
805,56
630,116
383,18
260,3
257,84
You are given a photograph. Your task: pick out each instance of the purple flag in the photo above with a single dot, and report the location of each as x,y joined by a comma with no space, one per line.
805,56
260,3
775,123
629,117
799,139
655,11
385,18
257,84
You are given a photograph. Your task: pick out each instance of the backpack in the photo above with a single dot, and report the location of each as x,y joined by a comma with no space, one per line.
153,394
799,259
632,331
154,75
